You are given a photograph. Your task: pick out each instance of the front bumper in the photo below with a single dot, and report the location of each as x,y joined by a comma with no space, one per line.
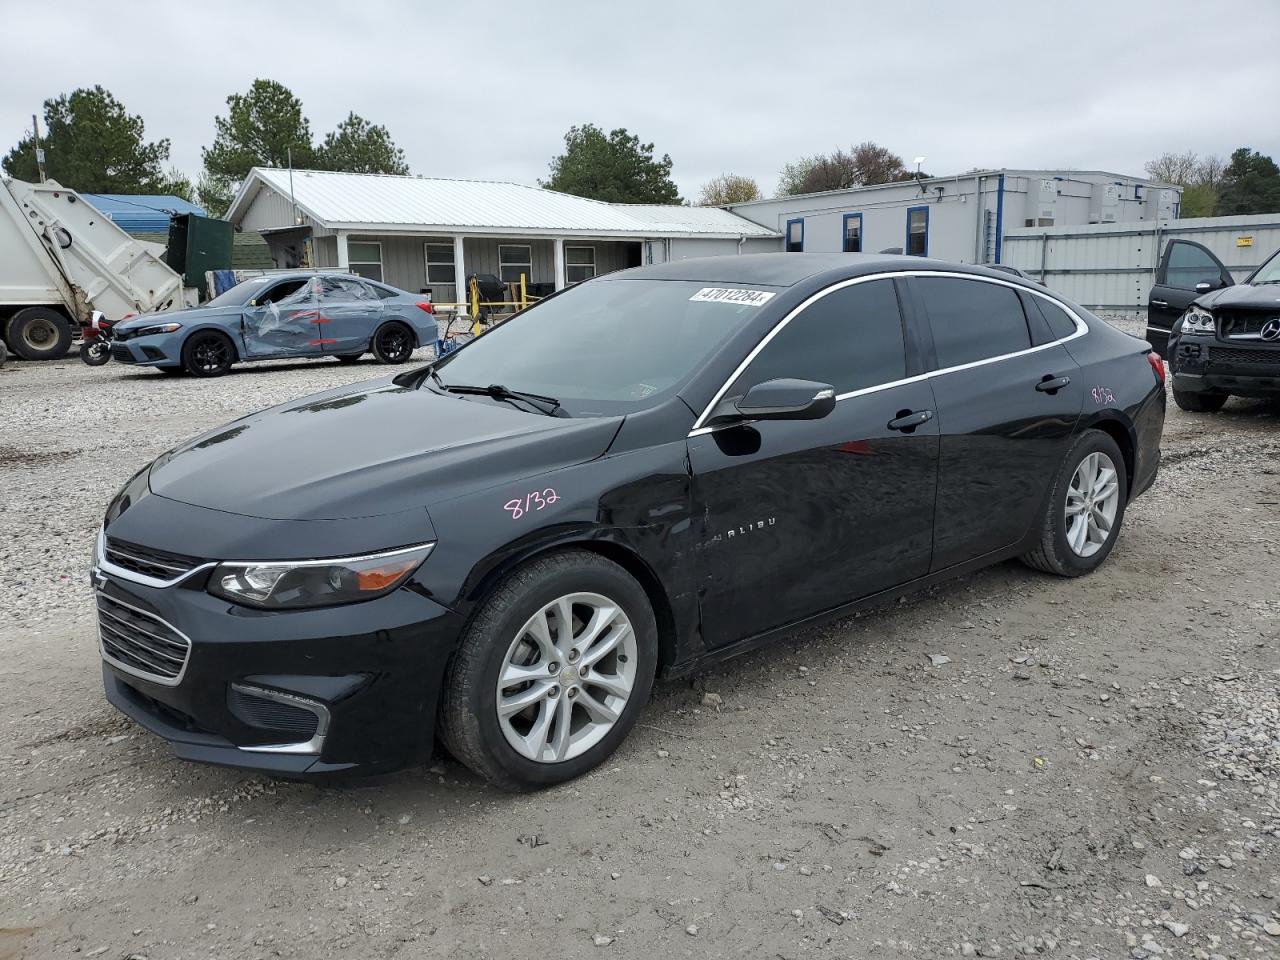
369,673
1241,368
157,350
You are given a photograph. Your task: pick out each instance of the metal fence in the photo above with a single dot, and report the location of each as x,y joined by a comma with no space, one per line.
1110,267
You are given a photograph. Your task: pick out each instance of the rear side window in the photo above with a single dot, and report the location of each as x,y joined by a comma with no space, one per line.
972,320
1059,320
851,339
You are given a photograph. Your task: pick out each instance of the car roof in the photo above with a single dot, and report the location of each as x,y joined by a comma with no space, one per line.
788,269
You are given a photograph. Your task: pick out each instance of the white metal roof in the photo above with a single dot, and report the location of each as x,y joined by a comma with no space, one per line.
360,201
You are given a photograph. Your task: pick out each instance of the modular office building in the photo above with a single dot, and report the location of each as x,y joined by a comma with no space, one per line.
961,218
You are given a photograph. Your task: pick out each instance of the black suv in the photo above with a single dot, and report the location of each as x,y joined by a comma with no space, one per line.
1220,338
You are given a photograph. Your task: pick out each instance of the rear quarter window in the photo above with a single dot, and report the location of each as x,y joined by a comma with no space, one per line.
1060,322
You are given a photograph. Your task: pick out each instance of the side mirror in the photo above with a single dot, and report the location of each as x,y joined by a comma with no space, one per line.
781,399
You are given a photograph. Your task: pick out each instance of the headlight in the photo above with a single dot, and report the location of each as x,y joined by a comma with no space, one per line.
158,328
1196,320
315,583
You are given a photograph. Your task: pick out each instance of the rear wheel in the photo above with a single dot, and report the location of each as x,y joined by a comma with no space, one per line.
1200,402
95,352
1082,518
551,673
39,333
208,353
393,343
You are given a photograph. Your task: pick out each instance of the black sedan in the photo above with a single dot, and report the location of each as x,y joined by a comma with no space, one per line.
649,472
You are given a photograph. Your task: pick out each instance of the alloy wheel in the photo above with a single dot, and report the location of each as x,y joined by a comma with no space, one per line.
566,678
1092,501
394,344
210,354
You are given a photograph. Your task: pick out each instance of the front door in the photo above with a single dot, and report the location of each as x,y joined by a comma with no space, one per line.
282,322
1006,412
1185,265
802,516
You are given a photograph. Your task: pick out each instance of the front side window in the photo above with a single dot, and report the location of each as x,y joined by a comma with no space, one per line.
1188,265
851,338
281,291
440,263
635,343
917,231
365,258
853,233
579,264
795,236
972,319
513,260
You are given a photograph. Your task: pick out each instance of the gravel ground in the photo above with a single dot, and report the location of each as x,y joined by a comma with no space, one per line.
1011,764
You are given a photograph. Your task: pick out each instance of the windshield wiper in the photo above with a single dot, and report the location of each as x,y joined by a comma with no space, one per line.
548,405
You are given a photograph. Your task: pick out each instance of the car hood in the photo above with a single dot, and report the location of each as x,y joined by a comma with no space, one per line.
371,449
188,315
1262,297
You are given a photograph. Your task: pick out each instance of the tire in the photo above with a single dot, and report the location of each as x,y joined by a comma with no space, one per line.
469,708
208,353
4,353
96,353
392,342
1054,552
39,333
1200,402
350,357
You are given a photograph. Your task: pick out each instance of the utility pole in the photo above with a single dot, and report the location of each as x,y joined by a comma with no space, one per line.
35,125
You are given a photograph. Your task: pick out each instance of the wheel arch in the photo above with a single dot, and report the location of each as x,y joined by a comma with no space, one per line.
1126,438
214,328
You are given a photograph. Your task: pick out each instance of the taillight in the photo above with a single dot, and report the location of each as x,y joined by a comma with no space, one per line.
426,307
1157,365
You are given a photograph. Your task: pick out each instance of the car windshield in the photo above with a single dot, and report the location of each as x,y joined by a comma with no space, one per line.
1269,272
608,346
241,293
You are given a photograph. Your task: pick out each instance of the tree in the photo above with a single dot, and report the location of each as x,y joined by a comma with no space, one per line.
92,144
358,146
866,164
214,194
728,188
178,184
1198,176
617,168
1250,184
261,129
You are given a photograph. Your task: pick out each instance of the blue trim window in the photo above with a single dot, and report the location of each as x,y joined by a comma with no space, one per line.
852,233
795,236
917,244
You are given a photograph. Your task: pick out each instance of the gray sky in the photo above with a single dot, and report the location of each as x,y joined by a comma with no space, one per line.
486,90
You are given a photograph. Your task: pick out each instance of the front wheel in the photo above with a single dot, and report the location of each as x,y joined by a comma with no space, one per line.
1082,518
95,352
393,343
1199,402
551,673
208,354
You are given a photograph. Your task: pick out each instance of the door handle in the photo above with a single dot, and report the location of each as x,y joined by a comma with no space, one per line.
1162,304
907,421
1052,384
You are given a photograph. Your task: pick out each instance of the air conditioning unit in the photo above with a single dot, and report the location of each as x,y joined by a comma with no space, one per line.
1104,203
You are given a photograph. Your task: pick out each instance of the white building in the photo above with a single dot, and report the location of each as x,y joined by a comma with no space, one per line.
420,233
962,218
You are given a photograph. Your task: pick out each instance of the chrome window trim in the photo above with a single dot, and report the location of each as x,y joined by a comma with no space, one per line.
106,566
133,671
1082,328
312,746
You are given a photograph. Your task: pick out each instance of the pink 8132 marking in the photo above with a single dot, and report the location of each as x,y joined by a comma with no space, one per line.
531,502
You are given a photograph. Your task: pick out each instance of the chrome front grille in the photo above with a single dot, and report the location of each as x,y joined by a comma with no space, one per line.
141,643
157,564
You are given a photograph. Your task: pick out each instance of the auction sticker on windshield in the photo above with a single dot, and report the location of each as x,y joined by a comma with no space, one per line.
750,298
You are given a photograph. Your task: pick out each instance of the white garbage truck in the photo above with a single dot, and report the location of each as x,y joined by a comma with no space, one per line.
60,260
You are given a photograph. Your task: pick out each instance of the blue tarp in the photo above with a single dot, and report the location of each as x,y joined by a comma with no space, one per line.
140,213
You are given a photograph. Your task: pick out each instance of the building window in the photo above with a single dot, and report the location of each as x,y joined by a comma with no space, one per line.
795,236
513,260
853,233
579,264
365,258
440,263
917,232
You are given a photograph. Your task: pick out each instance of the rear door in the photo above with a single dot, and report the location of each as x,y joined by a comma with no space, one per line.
804,515
351,310
1183,265
281,322
1008,404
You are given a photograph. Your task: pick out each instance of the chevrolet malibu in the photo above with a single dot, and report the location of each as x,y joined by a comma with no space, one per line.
278,317
645,474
